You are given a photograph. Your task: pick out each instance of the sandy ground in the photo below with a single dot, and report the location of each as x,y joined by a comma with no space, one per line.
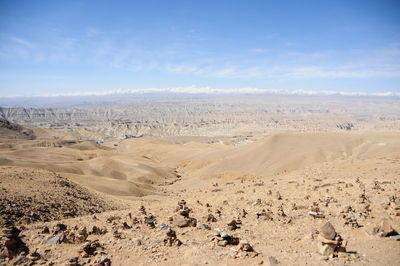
278,191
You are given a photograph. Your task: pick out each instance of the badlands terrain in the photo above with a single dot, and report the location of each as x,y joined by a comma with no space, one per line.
266,180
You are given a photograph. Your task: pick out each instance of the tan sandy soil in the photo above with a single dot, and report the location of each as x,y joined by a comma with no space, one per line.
301,181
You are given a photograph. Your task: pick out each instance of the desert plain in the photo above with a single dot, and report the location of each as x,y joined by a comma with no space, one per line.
250,180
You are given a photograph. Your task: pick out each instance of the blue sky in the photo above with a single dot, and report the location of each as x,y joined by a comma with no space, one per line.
55,47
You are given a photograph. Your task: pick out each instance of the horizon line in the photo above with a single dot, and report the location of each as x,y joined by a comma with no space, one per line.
208,90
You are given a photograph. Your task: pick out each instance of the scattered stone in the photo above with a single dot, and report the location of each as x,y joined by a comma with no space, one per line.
204,226
81,235
171,239
11,244
117,234
126,226
142,210
363,198
234,224
104,262
98,231
164,227
222,243
211,218
59,228
113,218
73,261
245,246
186,222
45,230
280,211
385,229
278,196
150,221
265,215
243,213
34,256
257,202
221,237
316,214
90,247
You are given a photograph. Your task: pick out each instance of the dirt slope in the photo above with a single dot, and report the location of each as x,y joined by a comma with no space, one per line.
30,195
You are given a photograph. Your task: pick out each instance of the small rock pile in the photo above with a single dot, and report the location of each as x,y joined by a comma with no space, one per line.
265,215
61,234
394,205
350,217
98,230
171,238
211,218
182,218
245,250
315,211
223,239
76,235
90,248
11,244
234,224
330,242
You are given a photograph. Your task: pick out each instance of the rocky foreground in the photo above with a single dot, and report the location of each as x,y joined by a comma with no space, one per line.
29,195
336,214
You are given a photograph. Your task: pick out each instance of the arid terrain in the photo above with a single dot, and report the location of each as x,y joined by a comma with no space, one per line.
240,181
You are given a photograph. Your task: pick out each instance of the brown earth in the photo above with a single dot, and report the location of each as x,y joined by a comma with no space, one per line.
30,195
262,203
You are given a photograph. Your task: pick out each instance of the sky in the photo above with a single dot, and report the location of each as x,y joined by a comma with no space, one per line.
79,47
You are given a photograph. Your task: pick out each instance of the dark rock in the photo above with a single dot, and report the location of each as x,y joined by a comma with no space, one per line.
150,221
59,228
211,218
328,231
245,246
45,230
98,231
233,225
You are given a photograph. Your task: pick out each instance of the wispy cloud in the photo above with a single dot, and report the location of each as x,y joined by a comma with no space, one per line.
259,50
97,48
21,41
